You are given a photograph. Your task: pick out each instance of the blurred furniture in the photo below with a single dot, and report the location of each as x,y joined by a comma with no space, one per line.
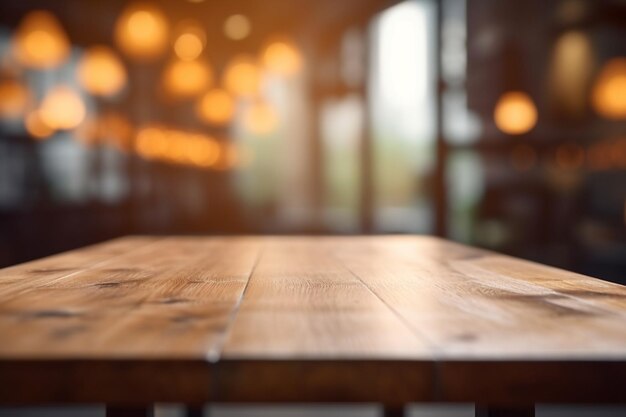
389,319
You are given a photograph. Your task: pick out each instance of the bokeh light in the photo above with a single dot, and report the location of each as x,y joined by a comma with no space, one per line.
261,119
14,98
62,108
282,57
242,76
237,27
178,147
36,127
184,79
515,113
216,107
151,143
40,41
101,72
609,92
142,31
569,156
190,41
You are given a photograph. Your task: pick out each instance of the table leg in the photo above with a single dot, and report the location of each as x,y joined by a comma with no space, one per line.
194,411
113,411
393,411
487,411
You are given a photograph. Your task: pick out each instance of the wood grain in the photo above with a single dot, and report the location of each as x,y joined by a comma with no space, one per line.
302,314
154,307
391,319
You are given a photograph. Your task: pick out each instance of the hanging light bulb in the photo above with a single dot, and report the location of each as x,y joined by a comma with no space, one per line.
216,107
14,98
261,119
184,79
237,27
62,108
190,40
40,41
515,113
282,57
36,127
609,91
101,72
242,76
141,31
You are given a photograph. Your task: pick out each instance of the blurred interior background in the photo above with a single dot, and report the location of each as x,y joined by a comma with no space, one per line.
500,124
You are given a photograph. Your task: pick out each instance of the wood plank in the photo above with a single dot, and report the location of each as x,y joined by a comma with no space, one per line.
30,275
302,314
172,299
169,303
470,303
506,331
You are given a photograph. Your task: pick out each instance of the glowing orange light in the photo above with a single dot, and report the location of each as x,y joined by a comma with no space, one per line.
190,41
187,78
62,108
515,113
609,92
216,107
570,156
13,99
242,76
174,146
237,27
36,127
40,41
261,119
141,31
282,58
203,151
151,143
101,72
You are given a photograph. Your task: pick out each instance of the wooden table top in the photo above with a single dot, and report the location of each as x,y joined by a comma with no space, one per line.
390,319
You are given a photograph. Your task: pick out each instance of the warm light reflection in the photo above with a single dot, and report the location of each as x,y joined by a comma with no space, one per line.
36,127
174,146
62,108
242,76
282,57
599,156
40,41
216,107
190,41
570,156
13,99
237,27
141,31
609,92
101,72
261,119
570,71
618,153
515,113
185,79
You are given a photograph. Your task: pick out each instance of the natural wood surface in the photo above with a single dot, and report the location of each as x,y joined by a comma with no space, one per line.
389,319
